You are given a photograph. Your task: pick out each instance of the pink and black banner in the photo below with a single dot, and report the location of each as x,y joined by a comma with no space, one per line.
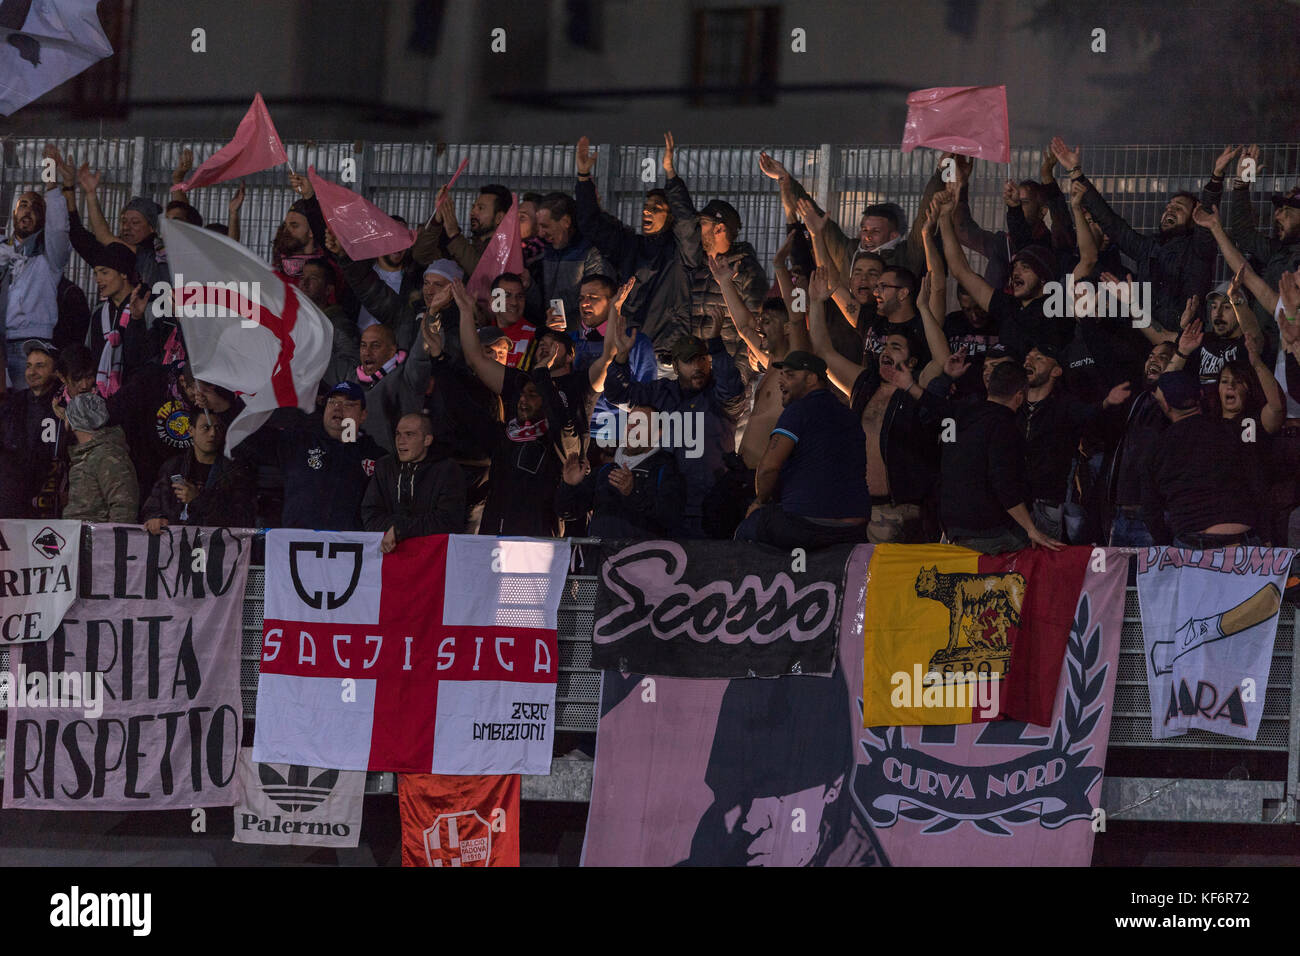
781,772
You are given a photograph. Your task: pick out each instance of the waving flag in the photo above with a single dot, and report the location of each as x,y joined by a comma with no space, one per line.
971,120
503,253
256,147
459,821
45,44
440,657
246,329
364,230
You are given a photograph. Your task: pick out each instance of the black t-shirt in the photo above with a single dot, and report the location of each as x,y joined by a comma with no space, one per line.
825,475
1022,327
1214,353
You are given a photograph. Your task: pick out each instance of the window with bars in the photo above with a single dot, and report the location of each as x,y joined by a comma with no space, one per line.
736,56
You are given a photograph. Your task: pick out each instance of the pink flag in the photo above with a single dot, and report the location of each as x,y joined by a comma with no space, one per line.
504,253
256,147
363,229
971,120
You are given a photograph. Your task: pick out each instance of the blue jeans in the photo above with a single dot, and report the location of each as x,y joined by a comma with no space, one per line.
1128,532
16,364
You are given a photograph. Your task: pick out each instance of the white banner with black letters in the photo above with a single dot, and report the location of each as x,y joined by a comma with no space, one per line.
38,577
292,805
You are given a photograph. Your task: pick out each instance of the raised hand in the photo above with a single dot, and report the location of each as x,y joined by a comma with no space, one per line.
431,332
1206,216
1077,191
237,200
139,299
1011,194
812,219
718,268
622,481
87,179
1255,347
1289,290
1047,166
670,146
958,364
450,224
546,353
1067,157
1117,395
1225,159
819,284
555,321
772,169
301,185
183,166
331,241
575,469
945,204
1191,338
900,376
586,157
623,292
66,170
461,297
1251,152
1121,287
1189,310
1234,287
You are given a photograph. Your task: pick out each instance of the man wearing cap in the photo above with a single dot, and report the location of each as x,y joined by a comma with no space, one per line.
1052,424
1224,340
32,442
326,462
708,389
1198,488
101,482
1280,252
1019,313
719,228
660,301
33,256
810,489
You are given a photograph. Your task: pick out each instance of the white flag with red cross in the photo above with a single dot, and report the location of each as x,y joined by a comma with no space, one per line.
246,329
438,657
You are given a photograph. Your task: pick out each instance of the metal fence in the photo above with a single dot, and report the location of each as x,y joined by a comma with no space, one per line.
402,177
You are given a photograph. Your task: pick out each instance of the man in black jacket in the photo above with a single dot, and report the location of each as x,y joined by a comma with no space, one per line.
200,486
418,492
32,441
983,483
659,304
325,477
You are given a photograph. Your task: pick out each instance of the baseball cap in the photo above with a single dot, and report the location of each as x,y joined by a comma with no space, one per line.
349,390
998,351
1289,198
40,345
445,268
723,212
1179,388
490,334
802,362
1050,348
689,347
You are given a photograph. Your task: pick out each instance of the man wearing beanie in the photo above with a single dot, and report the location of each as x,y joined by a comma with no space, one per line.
102,483
1197,484
137,228
1018,313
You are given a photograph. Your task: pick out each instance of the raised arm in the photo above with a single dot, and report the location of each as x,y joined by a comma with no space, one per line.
183,167
236,203
616,336
1236,262
490,372
934,337
843,372
973,283
1088,251
1273,414
89,182
1124,236
744,320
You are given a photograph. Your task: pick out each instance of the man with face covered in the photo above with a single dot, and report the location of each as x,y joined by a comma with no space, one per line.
33,255
659,304
1178,261
781,746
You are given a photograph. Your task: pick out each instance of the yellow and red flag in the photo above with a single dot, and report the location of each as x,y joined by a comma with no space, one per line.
951,636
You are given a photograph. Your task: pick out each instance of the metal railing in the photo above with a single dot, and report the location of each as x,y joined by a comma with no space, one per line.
402,177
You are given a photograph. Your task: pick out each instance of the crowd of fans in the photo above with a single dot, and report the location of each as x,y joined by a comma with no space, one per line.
656,382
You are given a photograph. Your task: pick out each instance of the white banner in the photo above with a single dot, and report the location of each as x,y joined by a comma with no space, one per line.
39,560
292,805
1208,621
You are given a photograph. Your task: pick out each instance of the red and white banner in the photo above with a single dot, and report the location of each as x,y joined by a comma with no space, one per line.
256,147
363,229
459,821
440,657
246,329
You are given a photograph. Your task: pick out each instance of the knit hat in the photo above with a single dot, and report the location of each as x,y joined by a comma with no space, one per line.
147,208
490,334
1040,259
1179,388
445,268
87,412
116,256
